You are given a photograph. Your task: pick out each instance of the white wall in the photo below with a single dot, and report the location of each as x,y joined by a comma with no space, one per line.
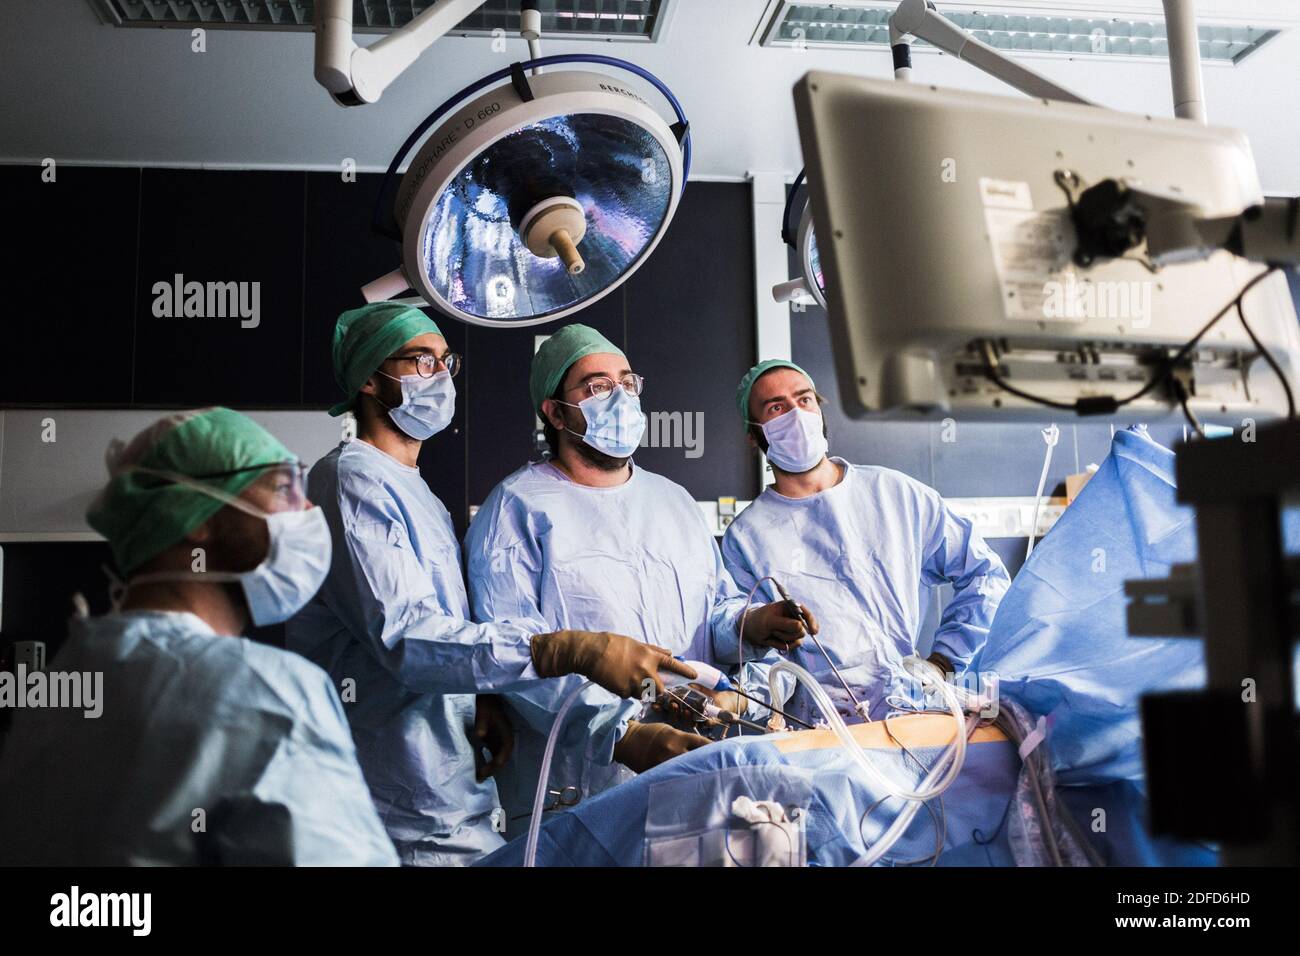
46,486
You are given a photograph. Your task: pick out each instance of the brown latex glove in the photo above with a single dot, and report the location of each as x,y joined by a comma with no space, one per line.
619,664
493,731
644,746
941,662
681,715
772,625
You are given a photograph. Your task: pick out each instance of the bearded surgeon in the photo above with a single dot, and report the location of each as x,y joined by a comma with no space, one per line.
391,622
590,540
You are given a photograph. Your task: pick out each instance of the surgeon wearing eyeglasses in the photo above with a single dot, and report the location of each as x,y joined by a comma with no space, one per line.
390,624
588,539
208,747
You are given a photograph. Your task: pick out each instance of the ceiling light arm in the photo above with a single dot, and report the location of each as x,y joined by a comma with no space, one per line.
920,19
355,75
900,45
1185,59
530,28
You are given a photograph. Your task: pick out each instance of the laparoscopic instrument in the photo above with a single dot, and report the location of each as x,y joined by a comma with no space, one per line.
793,607
710,677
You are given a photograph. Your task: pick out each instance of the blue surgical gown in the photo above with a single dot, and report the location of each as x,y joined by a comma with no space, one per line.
1060,643
1060,646
636,559
252,736
391,626
857,555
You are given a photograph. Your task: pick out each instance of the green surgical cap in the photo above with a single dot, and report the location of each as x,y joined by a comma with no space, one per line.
366,336
557,355
142,515
757,372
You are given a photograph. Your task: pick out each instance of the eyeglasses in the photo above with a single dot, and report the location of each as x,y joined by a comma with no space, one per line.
603,387
286,480
427,364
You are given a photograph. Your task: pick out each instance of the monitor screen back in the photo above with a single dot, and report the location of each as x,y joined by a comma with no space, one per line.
940,221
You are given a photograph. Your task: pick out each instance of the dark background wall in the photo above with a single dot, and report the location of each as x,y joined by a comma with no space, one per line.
89,339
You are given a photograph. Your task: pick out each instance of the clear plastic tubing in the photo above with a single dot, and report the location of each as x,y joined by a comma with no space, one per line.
544,776
939,779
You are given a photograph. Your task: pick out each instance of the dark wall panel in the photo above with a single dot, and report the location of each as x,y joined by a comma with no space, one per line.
68,337
690,328
210,226
685,318
342,255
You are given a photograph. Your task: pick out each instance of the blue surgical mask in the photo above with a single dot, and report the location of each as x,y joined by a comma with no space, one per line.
296,563
614,425
427,404
796,440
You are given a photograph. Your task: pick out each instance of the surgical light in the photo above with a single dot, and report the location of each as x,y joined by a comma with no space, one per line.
537,197
533,193
810,284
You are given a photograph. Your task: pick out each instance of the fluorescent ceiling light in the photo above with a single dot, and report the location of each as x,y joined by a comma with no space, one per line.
599,19
852,25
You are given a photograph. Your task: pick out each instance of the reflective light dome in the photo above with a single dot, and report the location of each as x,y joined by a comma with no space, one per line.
472,253
539,196
809,259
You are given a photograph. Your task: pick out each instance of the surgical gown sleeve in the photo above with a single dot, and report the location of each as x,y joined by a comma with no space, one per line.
308,805
954,553
391,599
505,569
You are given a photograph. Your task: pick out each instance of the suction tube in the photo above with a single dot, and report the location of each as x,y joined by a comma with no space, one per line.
544,775
940,777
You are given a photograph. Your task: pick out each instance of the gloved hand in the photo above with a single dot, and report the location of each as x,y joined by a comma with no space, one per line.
644,746
772,625
492,730
619,664
941,662
682,716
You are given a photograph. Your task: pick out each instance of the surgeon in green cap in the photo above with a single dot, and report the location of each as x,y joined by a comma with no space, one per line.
587,539
189,743
391,623
862,545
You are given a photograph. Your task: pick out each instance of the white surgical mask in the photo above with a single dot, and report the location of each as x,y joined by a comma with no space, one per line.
427,404
796,440
296,564
614,425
